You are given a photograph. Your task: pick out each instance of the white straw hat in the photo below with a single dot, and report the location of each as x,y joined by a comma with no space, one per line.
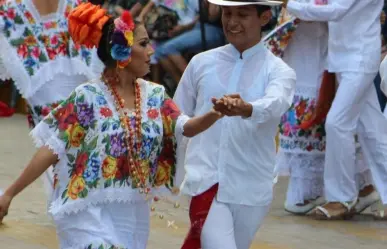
245,2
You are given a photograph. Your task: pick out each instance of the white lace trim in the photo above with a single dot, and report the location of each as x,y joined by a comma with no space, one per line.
96,197
28,85
42,135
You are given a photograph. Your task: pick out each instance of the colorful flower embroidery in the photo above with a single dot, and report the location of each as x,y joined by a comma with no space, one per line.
278,39
292,136
95,145
41,41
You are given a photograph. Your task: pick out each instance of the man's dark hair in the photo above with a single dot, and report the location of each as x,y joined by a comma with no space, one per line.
262,8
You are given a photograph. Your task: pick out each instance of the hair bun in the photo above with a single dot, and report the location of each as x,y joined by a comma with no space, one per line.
86,22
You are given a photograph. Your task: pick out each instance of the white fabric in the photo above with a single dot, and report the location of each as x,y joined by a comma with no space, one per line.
121,224
231,226
241,3
306,54
357,112
237,153
357,49
29,85
383,75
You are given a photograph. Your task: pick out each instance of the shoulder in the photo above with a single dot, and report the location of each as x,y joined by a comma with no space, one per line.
205,60
89,90
152,89
207,56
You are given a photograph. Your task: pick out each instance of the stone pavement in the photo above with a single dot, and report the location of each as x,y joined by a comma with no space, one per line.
28,226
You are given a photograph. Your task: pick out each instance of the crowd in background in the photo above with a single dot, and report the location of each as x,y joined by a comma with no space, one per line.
176,32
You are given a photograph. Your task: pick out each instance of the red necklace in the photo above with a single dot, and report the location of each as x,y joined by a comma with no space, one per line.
140,175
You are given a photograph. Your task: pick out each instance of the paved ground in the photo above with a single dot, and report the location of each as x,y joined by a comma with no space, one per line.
28,227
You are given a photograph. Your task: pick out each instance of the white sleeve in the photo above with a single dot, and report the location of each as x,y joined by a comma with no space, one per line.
185,95
333,11
278,96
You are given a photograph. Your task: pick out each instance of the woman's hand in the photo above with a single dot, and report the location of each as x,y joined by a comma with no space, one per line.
233,105
5,202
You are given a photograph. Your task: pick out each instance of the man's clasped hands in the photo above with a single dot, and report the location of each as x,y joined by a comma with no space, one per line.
232,105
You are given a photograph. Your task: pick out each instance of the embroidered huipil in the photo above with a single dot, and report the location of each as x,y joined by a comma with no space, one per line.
39,55
237,153
306,54
354,32
85,132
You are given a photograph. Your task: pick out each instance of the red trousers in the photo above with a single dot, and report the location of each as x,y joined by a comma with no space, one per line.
198,211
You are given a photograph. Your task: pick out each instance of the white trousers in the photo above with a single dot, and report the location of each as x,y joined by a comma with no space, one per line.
354,110
231,226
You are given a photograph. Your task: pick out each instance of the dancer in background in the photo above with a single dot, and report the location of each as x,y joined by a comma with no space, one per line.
354,58
42,60
302,151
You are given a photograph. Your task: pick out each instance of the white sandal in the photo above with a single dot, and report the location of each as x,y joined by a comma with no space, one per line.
350,206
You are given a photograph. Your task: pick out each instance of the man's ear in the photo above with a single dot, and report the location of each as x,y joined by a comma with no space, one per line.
266,17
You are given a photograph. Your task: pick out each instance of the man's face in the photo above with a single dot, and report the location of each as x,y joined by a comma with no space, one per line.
242,25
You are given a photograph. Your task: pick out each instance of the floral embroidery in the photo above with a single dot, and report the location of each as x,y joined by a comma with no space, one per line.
103,246
33,46
36,113
292,136
167,160
277,40
95,156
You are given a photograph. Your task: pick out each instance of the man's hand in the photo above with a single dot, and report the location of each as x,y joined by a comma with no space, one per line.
177,30
233,105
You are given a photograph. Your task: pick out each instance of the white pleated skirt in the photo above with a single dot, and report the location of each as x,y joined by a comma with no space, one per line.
106,226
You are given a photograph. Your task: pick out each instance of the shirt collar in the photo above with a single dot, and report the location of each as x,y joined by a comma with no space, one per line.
257,48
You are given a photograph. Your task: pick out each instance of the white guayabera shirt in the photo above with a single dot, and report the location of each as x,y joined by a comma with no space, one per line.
354,32
237,153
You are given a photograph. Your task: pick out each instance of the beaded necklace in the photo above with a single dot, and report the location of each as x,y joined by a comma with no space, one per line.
133,136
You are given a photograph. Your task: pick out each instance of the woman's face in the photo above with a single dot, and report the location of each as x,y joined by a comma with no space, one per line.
141,53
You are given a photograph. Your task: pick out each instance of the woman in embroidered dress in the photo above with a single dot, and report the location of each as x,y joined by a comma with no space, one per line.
302,151
112,141
40,57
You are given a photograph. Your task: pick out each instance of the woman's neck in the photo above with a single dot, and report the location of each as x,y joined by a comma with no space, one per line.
126,82
46,7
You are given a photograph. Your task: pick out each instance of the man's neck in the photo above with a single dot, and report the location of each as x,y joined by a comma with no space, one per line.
247,47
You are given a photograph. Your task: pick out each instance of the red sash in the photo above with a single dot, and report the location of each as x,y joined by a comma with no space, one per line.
198,211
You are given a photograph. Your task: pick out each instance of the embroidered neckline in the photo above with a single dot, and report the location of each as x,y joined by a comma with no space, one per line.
54,16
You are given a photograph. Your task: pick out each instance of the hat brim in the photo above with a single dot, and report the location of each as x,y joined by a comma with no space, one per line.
240,3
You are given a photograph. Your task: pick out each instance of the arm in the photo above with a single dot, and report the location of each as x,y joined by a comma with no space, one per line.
311,12
136,9
43,158
148,7
196,125
276,101
185,99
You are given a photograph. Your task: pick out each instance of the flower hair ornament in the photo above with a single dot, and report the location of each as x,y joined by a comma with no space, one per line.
122,39
86,23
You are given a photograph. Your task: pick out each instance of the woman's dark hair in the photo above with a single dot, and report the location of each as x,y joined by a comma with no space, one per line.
262,8
104,46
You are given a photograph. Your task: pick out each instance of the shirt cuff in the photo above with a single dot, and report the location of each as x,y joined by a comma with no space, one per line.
179,128
256,113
